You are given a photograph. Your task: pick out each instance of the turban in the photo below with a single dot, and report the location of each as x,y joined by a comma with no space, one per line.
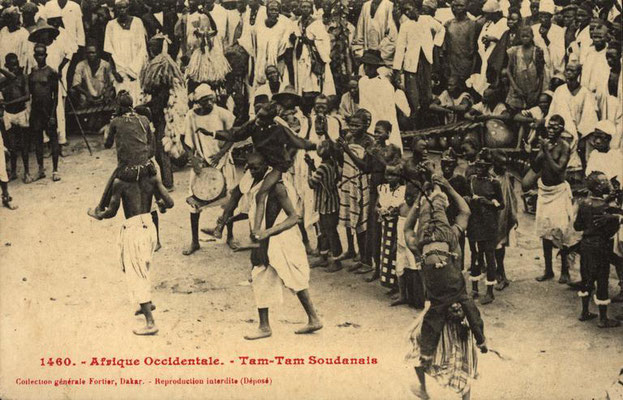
491,6
202,91
547,6
606,127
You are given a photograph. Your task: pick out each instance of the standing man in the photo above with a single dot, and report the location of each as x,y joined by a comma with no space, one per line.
414,58
207,151
125,41
281,259
161,19
376,30
550,38
460,43
577,106
71,14
43,84
554,213
14,38
137,239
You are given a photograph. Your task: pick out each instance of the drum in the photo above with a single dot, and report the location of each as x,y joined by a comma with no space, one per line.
497,135
209,185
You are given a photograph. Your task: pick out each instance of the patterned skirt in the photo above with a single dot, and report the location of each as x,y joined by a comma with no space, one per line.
455,362
388,250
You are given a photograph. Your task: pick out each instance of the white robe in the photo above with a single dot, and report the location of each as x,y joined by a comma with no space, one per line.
496,30
62,48
554,54
579,111
579,47
595,70
72,18
305,80
265,45
221,18
16,42
611,108
128,48
378,33
378,96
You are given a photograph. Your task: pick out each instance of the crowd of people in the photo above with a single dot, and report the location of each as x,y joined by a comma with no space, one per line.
335,107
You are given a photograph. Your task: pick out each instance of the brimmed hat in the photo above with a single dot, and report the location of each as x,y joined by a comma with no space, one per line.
372,57
289,92
36,36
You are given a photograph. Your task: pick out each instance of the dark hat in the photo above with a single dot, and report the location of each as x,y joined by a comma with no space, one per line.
372,57
36,36
287,92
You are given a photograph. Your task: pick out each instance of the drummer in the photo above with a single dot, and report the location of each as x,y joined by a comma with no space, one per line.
491,107
207,152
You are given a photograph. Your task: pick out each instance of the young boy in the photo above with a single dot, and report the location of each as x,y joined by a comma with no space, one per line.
599,226
15,96
485,203
323,180
275,141
43,84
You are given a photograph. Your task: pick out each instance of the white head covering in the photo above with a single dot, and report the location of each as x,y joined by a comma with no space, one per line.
606,127
491,6
432,4
126,2
547,6
202,91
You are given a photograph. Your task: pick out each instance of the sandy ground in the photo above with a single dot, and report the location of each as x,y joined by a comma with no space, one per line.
62,294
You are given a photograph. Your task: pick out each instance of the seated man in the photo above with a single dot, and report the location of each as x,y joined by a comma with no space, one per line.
92,83
491,107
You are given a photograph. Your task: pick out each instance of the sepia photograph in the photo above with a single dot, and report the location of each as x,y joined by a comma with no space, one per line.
311,199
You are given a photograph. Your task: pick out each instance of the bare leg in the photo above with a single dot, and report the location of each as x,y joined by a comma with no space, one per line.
313,322
402,290
350,250
467,395
263,330
154,218
419,389
6,198
548,247
150,325
194,230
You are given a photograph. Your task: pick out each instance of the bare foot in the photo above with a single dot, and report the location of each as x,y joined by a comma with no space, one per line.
40,175
355,267
158,247
545,277
28,179
502,285
309,328
56,177
7,201
259,334
365,269
139,311
564,279
487,299
398,302
191,249
334,267
233,244
91,213
608,323
376,275
419,392
587,316
148,330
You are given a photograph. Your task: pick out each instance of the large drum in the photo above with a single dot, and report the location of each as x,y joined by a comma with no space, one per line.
208,186
497,135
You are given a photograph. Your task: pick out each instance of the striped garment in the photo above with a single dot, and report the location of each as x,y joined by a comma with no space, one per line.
354,193
324,182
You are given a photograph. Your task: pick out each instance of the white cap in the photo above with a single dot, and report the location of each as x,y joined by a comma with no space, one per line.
491,6
202,91
606,127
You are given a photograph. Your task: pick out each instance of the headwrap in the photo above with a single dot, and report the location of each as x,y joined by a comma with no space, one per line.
491,6
202,91
606,127
432,4
13,10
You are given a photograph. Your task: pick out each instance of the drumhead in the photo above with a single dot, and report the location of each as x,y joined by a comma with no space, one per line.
209,185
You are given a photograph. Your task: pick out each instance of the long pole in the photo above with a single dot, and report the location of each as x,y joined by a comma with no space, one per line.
73,109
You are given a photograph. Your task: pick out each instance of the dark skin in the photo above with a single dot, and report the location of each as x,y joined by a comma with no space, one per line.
94,62
136,198
454,89
489,101
279,196
553,156
40,57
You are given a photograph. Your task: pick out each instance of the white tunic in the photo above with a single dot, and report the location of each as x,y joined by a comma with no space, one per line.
72,18
305,79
